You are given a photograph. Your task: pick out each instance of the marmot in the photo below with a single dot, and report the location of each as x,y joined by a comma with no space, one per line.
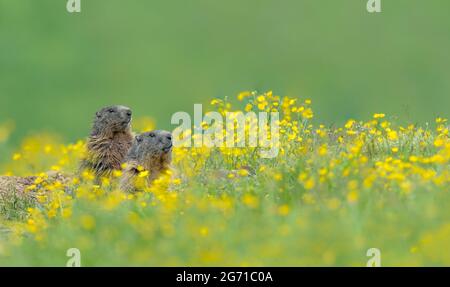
107,146
109,141
151,151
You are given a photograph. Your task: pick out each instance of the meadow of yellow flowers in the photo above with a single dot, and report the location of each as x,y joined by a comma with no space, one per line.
331,194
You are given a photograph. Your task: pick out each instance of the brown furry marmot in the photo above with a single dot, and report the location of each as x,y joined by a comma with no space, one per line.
107,146
109,141
153,152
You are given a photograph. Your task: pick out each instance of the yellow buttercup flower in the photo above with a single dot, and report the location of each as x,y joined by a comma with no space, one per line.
392,135
17,156
352,196
143,173
371,172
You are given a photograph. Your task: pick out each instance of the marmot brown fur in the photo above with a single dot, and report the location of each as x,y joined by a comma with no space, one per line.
151,151
109,141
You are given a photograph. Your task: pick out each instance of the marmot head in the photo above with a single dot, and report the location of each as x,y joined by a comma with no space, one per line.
150,150
111,120
152,147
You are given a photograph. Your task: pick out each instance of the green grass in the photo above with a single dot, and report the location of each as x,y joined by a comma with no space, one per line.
160,57
323,201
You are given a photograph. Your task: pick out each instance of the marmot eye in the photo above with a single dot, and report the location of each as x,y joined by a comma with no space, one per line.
111,110
152,135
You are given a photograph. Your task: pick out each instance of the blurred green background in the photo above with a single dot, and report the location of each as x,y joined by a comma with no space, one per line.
160,56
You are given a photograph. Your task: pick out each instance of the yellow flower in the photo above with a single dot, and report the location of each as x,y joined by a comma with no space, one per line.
31,226
307,114
41,198
88,175
323,150
378,116
385,124
38,180
143,173
105,181
283,210
413,158
349,124
278,176
204,231
439,142
352,196
406,186
31,187
55,168
309,184
17,156
117,173
243,172
66,213
87,222
323,171
392,135
243,95
440,120
48,148
51,213
216,101
250,200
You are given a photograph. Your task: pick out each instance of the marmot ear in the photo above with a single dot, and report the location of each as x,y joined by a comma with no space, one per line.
139,138
97,114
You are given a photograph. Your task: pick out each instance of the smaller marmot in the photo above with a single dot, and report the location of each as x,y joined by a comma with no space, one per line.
110,139
151,151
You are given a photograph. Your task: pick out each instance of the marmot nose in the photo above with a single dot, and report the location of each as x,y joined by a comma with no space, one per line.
169,137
